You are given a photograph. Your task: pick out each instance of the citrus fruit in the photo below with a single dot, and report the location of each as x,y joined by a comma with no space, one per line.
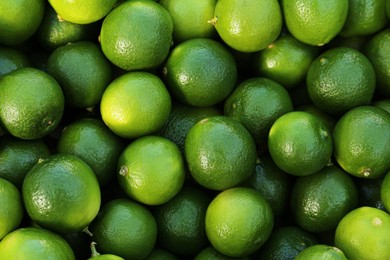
124,228
12,209
315,22
12,59
385,191
210,253
364,18
248,26
92,141
369,192
256,103
54,32
180,222
321,251
286,242
137,35
61,193
340,79
299,143
200,72
220,152
17,156
182,118
383,103
34,104
82,11
20,21
320,201
82,71
151,170
135,104
364,233
378,52
362,142
285,61
272,183
35,243
238,221
97,256
190,18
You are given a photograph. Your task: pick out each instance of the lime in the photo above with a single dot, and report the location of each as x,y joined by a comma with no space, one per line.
83,72
364,18
92,141
20,21
34,104
12,59
364,233
12,209
35,243
362,142
82,11
340,79
190,18
18,156
385,191
327,119
220,152
200,72
320,201
248,26
321,251
97,256
124,228
315,22
61,193
299,143
160,254
285,61
137,35
151,170
238,221
135,104
383,103
257,103
210,253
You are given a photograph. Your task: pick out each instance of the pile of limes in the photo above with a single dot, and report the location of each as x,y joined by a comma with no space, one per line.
195,129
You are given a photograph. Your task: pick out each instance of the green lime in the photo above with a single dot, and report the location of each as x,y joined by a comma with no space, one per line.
299,143
82,11
12,209
135,104
34,104
61,193
340,79
210,253
220,152
12,59
315,22
181,227
124,228
190,18
151,170
82,71
364,18
182,118
35,243
92,141
378,52
257,103
238,221
286,242
200,72
18,156
320,201
385,191
97,256
321,251
20,20
137,35
248,26
364,233
285,61
362,142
